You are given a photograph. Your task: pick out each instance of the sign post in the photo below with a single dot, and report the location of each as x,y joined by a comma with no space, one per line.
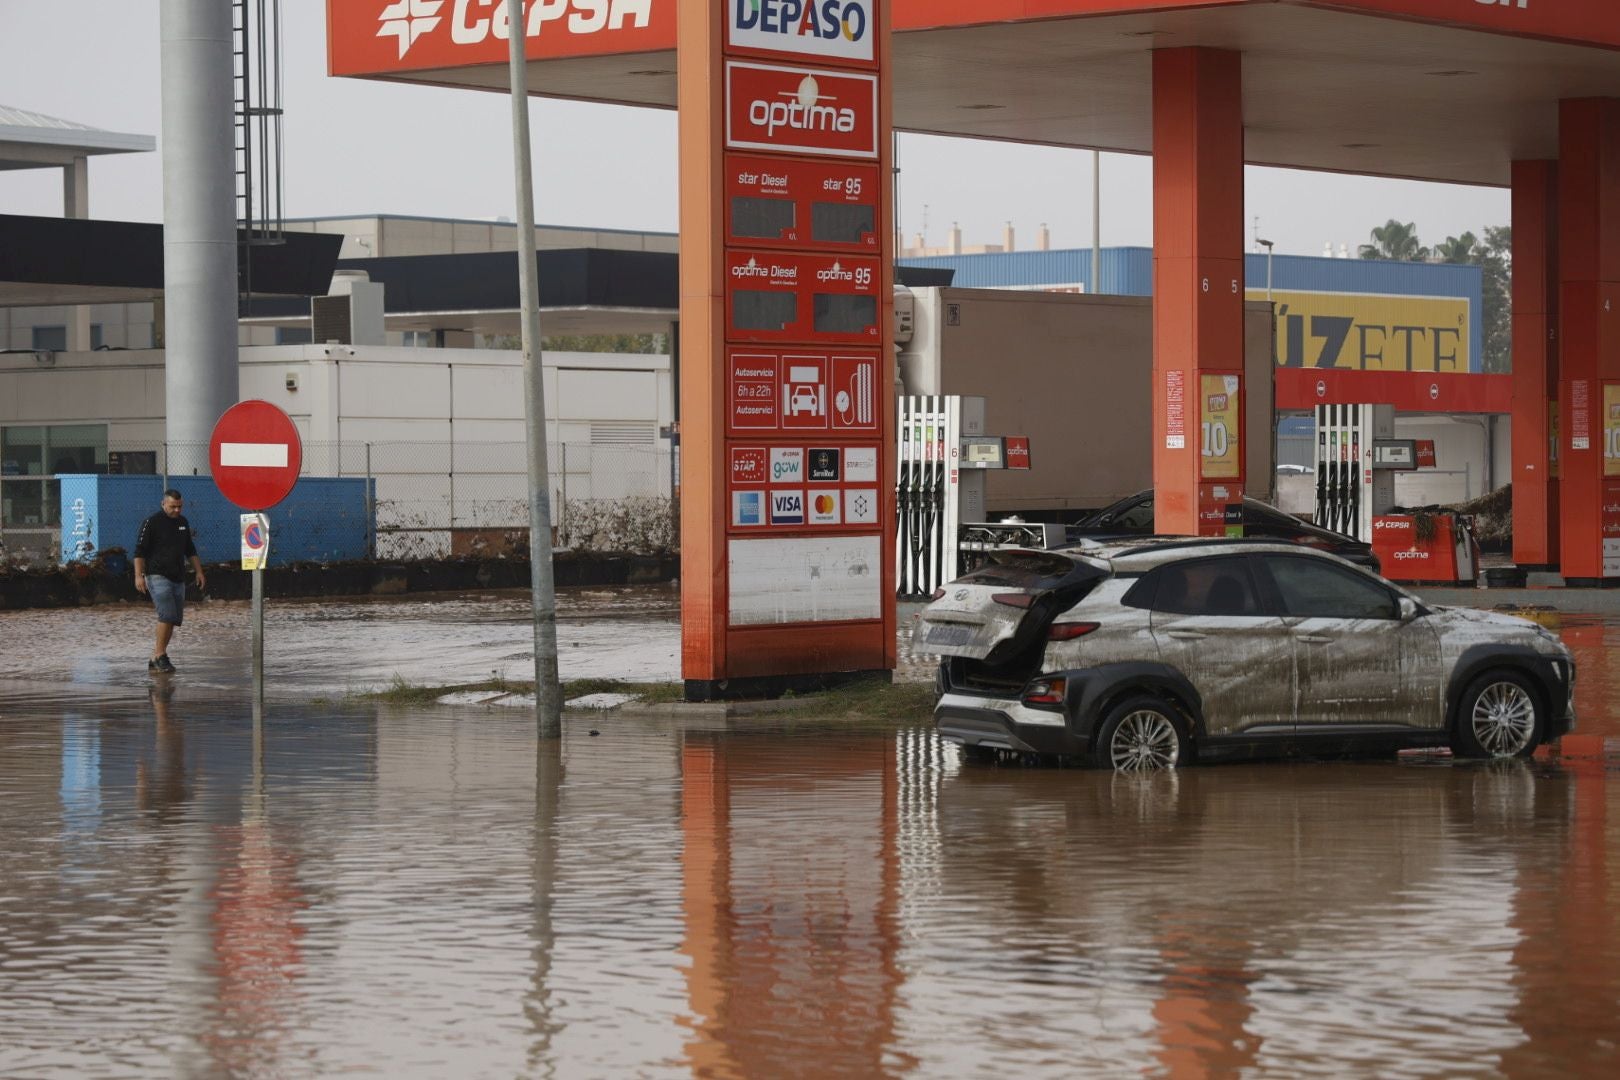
255,455
255,557
787,359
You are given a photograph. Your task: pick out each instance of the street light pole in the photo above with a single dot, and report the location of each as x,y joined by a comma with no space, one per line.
1271,487
547,690
1268,245
1096,221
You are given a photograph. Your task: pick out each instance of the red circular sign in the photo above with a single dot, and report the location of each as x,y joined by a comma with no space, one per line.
255,455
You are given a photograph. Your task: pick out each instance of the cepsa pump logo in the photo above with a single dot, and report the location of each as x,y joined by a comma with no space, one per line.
835,29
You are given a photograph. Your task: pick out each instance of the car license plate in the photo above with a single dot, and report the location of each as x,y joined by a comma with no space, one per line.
950,634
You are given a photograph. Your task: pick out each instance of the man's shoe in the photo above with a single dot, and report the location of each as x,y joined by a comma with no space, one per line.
152,665
164,665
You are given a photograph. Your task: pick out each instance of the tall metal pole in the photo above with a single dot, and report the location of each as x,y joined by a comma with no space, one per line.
258,637
1096,221
547,690
199,226
1271,488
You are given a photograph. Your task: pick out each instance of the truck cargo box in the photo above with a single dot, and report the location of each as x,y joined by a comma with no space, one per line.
1074,373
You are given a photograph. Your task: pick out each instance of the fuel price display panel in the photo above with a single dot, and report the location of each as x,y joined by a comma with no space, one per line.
791,204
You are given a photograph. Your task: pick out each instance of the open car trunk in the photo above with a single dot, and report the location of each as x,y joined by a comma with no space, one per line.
997,613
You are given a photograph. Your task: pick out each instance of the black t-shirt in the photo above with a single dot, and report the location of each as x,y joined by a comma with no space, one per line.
165,544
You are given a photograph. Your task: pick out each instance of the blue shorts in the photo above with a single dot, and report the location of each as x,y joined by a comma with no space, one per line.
169,597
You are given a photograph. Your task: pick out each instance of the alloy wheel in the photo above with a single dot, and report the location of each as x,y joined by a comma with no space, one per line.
1504,719
1145,740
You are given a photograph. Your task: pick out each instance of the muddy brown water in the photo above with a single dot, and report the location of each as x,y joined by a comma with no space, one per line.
433,893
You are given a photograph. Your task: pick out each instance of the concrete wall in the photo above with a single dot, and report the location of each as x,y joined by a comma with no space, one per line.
123,326
381,236
358,394
1463,470
1470,459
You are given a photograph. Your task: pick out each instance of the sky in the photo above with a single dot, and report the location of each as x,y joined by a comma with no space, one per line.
359,147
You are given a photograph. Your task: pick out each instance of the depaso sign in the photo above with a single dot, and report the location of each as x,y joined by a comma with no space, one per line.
800,110
838,30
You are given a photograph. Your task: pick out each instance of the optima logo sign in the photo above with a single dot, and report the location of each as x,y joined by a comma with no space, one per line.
834,29
800,111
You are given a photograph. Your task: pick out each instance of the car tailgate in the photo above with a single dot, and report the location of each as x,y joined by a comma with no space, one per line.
1002,606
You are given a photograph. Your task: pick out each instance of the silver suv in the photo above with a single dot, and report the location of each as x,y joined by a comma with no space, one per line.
1144,655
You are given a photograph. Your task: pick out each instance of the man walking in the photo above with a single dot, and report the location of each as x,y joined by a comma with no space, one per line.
163,546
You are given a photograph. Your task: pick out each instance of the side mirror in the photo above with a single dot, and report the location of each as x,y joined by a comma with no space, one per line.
1409,609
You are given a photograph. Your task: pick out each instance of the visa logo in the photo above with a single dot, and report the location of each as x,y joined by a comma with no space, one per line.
787,508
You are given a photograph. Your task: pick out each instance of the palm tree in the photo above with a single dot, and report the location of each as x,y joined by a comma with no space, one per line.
1396,242
1463,250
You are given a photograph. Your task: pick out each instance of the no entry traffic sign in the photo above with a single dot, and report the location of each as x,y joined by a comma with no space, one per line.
255,455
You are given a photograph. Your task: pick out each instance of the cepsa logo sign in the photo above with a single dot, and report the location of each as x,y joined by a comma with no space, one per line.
835,29
366,36
800,111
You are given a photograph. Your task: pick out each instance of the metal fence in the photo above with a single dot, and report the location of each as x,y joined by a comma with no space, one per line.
432,499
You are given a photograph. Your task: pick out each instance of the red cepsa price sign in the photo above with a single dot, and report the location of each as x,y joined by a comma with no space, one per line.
822,204
792,296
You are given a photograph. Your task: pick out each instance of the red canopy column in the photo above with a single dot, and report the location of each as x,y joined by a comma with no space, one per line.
1535,363
1197,288
1589,337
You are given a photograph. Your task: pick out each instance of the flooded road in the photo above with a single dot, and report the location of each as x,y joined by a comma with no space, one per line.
434,893
353,644
431,892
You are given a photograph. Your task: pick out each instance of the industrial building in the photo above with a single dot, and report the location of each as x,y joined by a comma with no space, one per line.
415,366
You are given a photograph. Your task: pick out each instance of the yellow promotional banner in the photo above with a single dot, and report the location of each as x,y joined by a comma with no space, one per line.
1611,429
1362,332
1219,401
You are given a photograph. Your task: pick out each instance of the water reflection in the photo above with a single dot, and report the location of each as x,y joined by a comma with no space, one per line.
436,894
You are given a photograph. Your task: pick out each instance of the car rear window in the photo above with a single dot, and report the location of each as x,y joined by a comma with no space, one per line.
1222,586
1026,570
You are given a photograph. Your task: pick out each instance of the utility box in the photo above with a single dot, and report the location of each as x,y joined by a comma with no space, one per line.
1074,373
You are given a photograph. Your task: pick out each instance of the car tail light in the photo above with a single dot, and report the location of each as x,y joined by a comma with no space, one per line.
1014,599
936,594
1045,692
1070,630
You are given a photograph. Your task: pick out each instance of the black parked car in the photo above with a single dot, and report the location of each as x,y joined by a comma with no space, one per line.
1132,516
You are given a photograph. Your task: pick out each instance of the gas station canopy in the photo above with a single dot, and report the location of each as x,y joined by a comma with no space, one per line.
1448,90
30,140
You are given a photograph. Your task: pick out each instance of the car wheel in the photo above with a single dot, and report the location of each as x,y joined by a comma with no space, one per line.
1140,734
1498,717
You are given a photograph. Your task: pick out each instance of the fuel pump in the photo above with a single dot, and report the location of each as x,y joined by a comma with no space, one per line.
944,456
928,508
1350,489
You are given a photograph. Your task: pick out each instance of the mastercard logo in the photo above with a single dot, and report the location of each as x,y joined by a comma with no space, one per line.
825,504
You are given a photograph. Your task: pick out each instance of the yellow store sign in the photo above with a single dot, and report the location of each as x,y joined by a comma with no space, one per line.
1362,332
1219,400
